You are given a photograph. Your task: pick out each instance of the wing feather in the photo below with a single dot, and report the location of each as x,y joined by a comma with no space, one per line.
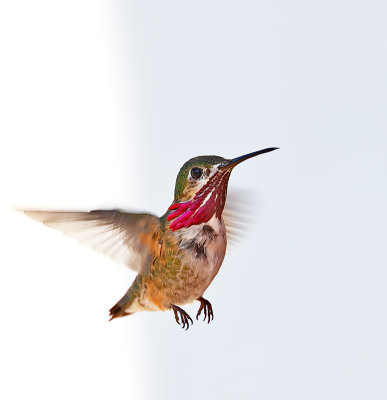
238,214
112,232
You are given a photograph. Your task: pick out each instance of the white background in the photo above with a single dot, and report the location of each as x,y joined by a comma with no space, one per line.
102,102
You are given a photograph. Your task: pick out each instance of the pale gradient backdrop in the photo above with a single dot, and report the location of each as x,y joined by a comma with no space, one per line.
104,101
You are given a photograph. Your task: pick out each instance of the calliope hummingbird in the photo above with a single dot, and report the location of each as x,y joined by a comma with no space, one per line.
177,255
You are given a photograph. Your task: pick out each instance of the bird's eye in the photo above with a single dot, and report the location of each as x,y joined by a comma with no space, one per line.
196,173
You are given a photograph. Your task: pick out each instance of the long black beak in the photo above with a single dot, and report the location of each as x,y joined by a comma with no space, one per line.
232,163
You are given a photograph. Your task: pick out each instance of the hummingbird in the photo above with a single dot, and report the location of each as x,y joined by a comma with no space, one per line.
176,256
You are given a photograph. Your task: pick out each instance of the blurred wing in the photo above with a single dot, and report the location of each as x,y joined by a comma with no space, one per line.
238,214
118,234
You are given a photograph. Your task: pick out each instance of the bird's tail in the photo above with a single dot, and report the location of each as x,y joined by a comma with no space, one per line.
118,310
125,305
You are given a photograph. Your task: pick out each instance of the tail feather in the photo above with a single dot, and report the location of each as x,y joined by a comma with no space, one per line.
121,309
118,310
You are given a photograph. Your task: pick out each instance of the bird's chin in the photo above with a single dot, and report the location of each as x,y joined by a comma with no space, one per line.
209,201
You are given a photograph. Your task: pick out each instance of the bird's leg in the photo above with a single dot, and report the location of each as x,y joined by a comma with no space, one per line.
207,307
184,317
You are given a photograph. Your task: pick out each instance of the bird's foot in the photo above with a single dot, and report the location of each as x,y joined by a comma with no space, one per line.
184,317
207,307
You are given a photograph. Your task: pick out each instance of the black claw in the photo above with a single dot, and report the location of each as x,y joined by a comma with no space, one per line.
176,316
187,318
205,305
184,317
200,310
210,315
188,321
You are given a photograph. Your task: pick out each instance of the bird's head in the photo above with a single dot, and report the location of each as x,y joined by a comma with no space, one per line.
201,189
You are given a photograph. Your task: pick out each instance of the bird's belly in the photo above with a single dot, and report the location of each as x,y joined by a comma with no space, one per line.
199,267
184,273
193,282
